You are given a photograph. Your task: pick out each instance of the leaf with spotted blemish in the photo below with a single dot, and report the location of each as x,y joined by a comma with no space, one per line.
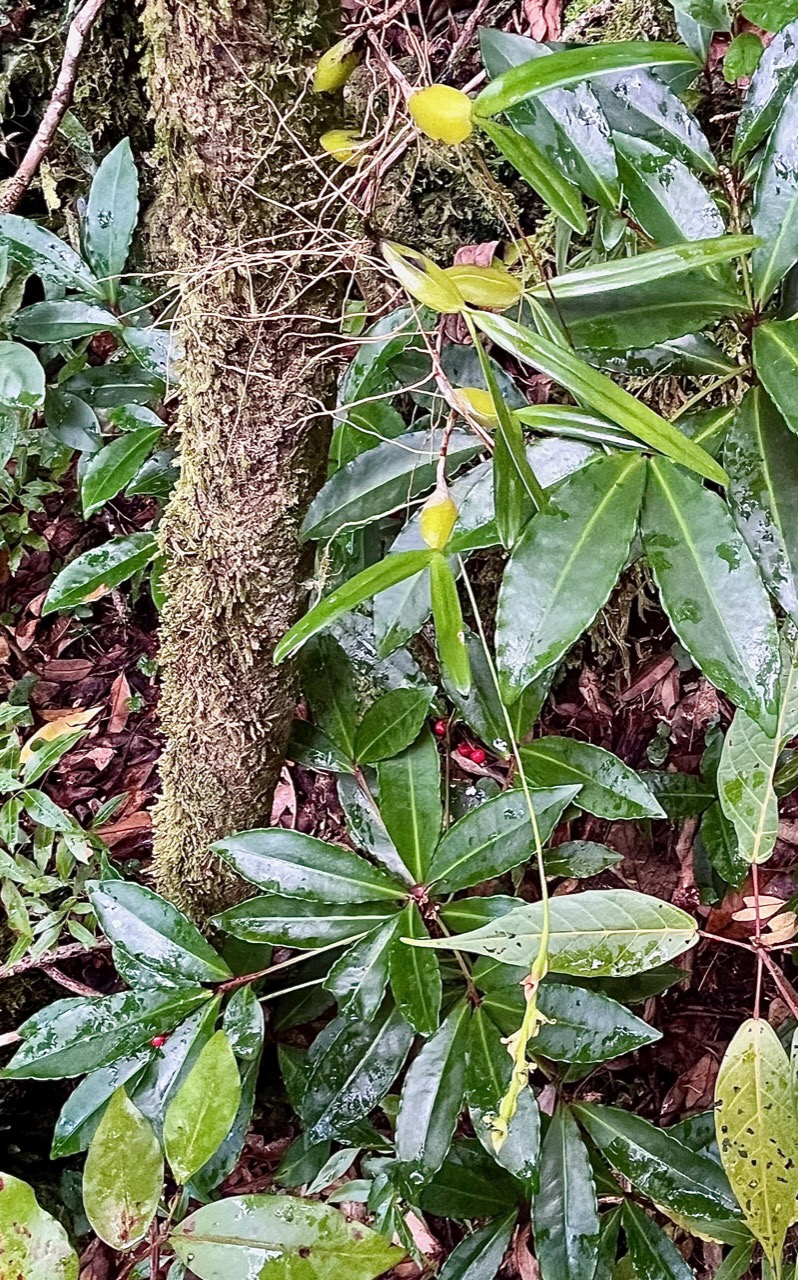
757,1130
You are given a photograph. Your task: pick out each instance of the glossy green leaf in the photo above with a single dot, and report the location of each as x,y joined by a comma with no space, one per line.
386,573
554,583
312,749
572,66
243,1022
682,795
495,837
713,14
274,1236
410,803
40,253
654,1255
111,215
772,81
666,199
580,424
33,1244
21,378
300,866
115,385
775,212
487,1080
682,1182
415,975
742,57
172,1062
610,932
584,1026
328,684
366,827
719,840
391,724
115,466
383,479
351,1067
711,589
71,1037
598,392
469,1185
692,353
95,573
301,923
123,1175
534,167
154,931
758,1132
565,1216
359,978
644,268
642,106
608,788
202,1112
579,859
432,1098
479,1255
71,421
81,1113
62,321
449,625
776,362
483,712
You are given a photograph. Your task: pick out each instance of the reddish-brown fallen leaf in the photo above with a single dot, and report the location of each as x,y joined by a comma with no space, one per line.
120,697
544,18
133,824
67,670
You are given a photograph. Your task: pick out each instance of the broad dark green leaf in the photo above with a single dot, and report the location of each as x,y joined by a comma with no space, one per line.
483,712
366,827
641,106
449,625
391,724
711,589
654,1255
328,684
33,1244
692,353
556,582
479,1255
115,466
300,866
495,837
682,795
301,923
383,479
415,975
432,1098
666,199
123,1175
115,385
775,212
71,421
410,803
386,573
487,1080
41,253
111,215
201,1113
95,573
598,392
243,1022
608,788
565,1216
579,859
359,978
770,85
312,749
572,66
718,837
473,912
584,1027
71,1037
681,1182
21,378
708,427
351,1067
776,362
609,932
78,1119
580,424
261,1235
535,168
469,1185
62,321
152,929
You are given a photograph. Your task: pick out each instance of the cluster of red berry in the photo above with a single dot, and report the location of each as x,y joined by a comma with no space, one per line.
475,754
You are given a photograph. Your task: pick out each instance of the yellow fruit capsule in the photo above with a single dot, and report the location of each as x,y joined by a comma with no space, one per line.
437,519
486,286
442,113
422,279
334,67
342,145
479,403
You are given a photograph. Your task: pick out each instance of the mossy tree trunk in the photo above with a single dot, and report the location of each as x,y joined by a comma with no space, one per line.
224,76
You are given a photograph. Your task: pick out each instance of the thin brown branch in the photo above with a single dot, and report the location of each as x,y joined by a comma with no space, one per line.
53,960
58,106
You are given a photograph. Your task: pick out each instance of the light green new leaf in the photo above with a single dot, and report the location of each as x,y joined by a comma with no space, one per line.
599,392
202,1112
599,933
432,1097
272,1237
111,215
123,1175
449,625
776,362
32,1244
565,1215
97,572
757,1132
775,213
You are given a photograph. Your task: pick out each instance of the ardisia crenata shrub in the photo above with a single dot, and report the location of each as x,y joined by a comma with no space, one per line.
472,1003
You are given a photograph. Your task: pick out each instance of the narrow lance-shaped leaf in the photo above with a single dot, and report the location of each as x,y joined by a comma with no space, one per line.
95,573
487,1080
415,974
654,1255
111,215
555,190
480,1254
432,1098
300,866
359,978
607,786
151,928
565,1212
770,84
775,213
449,625
391,724
410,803
658,264
776,363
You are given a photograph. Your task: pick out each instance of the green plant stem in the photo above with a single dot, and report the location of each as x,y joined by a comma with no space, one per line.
701,395
232,984
287,991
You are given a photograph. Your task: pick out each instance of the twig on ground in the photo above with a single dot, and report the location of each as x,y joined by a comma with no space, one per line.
53,960
79,28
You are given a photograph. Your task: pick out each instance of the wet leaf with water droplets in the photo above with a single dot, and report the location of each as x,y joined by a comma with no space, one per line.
95,573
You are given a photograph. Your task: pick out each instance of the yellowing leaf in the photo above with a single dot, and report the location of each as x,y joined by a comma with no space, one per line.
442,113
438,516
422,279
54,729
123,1175
486,286
478,402
342,145
334,67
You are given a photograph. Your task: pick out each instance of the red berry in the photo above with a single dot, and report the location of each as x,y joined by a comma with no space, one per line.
440,728
477,755
158,1042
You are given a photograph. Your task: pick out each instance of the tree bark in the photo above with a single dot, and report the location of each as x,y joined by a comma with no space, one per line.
233,119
